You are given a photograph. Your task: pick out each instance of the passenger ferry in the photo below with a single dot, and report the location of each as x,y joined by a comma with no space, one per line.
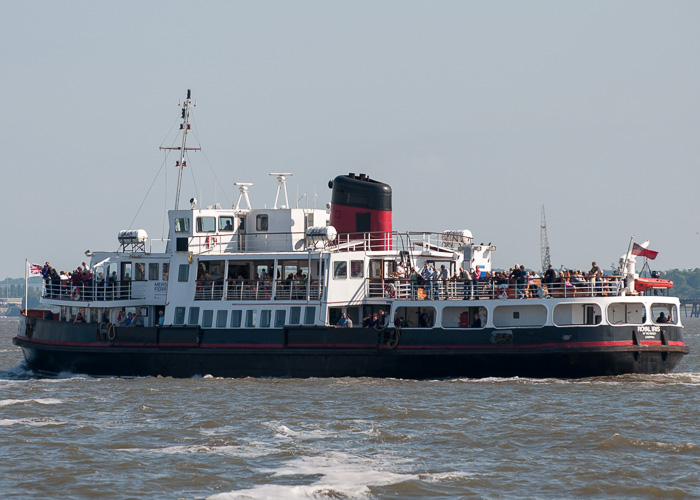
293,292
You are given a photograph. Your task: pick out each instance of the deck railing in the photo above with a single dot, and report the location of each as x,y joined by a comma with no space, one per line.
89,291
405,289
257,290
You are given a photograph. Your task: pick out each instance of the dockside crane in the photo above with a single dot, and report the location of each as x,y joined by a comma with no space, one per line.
544,243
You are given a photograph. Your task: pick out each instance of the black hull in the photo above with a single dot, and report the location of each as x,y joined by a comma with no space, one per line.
577,352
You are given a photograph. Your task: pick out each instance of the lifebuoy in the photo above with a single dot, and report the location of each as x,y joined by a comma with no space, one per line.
76,293
390,290
210,242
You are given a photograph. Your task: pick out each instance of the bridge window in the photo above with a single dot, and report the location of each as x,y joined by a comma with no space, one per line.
340,270
140,271
357,269
206,224
153,271
182,225
225,223
261,222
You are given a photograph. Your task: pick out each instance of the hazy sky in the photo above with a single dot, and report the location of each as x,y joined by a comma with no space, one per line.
476,113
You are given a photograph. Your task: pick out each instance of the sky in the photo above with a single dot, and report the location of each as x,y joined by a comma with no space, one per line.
476,113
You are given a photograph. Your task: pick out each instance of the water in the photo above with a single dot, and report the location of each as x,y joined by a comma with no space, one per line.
614,437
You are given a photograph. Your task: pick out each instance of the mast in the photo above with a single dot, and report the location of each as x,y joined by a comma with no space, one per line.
185,127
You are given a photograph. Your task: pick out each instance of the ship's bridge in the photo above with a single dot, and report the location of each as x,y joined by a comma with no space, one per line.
217,230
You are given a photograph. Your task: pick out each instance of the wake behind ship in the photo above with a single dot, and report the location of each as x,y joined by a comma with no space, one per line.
333,292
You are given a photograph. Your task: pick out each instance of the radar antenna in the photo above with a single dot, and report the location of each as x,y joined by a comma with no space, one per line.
544,243
185,127
281,188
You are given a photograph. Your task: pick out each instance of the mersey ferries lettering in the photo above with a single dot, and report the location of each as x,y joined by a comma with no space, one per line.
336,292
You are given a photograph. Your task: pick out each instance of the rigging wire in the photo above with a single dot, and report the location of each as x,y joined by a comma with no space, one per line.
147,193
194,131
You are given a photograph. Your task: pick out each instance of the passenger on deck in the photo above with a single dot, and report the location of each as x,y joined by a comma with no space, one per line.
401,270
79,318
596,276
129,319
442,277
424,319
161,318
137,320
343,321
477,321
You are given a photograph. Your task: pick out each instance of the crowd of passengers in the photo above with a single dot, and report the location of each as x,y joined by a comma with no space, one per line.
522,282
81,284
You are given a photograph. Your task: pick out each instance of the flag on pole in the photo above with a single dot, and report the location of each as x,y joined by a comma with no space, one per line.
34,269
644,252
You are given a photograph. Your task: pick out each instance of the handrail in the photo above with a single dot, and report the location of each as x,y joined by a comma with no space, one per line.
89,290
451,289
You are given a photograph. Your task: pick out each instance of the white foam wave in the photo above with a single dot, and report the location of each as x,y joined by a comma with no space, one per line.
341,476
28,421
41,401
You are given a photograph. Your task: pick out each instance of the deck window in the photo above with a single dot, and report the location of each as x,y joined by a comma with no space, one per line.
236,316
309,315
194,316
670,315
464,317
265,315
183,272
294,315
632,313
577,314
206,224
261,222
221,318
207,318
520,315
280,316
251,318
179,316
166,271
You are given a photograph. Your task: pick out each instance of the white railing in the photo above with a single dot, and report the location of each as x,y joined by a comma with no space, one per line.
406,289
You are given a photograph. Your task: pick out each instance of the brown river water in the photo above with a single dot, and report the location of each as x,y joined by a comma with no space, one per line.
613,437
